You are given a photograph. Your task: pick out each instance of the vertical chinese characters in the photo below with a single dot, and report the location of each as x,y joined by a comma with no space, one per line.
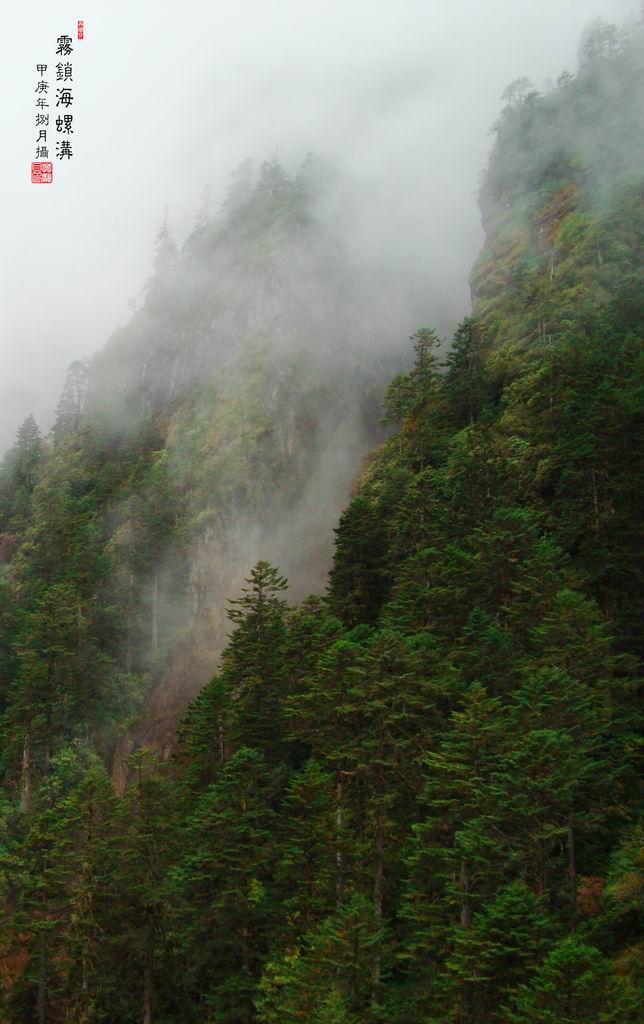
54,111
64,99
42,118
41,169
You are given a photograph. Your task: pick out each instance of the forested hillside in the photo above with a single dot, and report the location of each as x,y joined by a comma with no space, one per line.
225,421
414,797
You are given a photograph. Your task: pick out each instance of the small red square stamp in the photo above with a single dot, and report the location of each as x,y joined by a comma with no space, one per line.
42,173
81,29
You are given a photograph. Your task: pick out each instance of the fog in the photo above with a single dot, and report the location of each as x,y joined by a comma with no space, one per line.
168,97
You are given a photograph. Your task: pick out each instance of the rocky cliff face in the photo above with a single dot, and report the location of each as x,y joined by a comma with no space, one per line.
251,378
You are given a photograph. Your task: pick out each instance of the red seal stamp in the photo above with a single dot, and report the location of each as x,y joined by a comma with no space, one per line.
81,29
42,173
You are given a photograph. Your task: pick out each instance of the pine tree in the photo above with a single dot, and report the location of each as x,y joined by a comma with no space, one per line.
328,975
221,889
306,833
467,383
570,987
62,893
359,581
72,401
253,664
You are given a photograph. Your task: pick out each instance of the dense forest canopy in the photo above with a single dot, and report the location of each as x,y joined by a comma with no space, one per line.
413,796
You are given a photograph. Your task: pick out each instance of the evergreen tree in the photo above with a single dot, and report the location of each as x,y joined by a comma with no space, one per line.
222,890
467,383
72,401
570,986
254,663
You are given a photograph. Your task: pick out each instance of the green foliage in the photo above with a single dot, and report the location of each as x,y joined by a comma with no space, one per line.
571,985
415,798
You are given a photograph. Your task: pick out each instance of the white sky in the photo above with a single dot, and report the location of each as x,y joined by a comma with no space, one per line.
171,95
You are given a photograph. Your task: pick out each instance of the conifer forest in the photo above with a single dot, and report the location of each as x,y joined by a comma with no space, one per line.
320,659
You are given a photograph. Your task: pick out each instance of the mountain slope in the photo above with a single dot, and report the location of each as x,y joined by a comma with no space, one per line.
226,419
417,797
446,825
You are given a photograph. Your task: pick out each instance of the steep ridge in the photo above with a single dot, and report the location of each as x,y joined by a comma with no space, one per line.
437,763
417,797
557,291
226,419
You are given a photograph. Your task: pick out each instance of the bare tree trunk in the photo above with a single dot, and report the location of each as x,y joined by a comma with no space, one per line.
572,865
378,894
245,950
339,854
155,613
466,910
222,744
50,703
128,640
41,997
25,775
540,873
147,988
595,499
